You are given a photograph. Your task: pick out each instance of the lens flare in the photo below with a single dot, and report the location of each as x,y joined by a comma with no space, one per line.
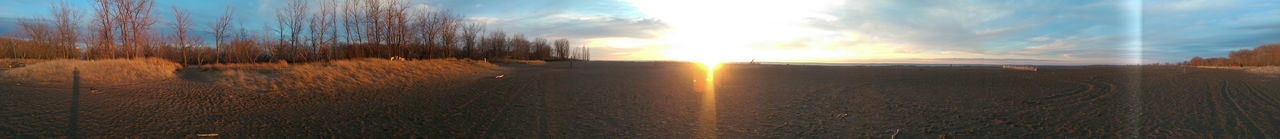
707,122
710,65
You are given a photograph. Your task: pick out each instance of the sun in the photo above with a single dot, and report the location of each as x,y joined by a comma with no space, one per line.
711,65
709,58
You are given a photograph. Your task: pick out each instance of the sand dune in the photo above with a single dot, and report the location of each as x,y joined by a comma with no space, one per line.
342,74
99,72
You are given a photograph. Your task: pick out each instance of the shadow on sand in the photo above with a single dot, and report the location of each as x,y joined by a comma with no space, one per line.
194,73
75,105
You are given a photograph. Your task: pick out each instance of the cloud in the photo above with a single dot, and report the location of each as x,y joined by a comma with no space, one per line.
1070,47
582,26
1267,26
645,53
1066,32
995,59
968,26
1038,39
895,29
1057,45
1188,5
1178,30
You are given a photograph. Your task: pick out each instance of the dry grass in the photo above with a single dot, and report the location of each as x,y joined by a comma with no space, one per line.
27,61
1264,70
97,72
353,73
1255,70
248,66
5,63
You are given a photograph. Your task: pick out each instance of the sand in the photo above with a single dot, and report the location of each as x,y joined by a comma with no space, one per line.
661,100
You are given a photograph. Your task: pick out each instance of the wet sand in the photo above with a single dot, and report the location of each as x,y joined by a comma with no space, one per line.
662,100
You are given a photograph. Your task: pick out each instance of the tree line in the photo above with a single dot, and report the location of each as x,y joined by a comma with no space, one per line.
1265,55
304,31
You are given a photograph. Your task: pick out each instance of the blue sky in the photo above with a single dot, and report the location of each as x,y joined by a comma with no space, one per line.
870,31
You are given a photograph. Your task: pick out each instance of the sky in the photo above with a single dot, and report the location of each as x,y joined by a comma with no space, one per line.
836,31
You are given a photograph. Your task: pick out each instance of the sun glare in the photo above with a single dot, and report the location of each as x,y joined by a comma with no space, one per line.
707,122
711,65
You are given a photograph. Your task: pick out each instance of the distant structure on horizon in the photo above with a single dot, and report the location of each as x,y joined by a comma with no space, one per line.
1027,68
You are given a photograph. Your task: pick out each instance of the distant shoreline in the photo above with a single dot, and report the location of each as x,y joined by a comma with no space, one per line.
1252,69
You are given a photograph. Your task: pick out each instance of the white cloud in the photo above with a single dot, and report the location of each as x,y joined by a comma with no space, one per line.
1192,5
727,25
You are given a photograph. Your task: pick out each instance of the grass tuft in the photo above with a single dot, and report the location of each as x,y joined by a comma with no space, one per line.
95,72
352,73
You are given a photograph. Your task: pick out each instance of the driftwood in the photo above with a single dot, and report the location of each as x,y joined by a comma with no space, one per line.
895,133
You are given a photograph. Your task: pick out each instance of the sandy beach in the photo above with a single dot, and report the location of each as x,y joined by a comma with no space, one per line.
664,100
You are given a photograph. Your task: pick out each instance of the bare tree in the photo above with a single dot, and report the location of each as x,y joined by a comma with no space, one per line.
320,25
496,43
278,51
1265,55
66,20
338,28
243,47
397,27
541,50
136,20
352,21
39,36
7,45
293,18
328,27
104,27
374,26
581,53
469,36
221,29
449,25
273,47
181,29
519,46
562,49
428,30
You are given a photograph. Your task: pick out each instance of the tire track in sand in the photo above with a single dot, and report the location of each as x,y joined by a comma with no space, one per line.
1217,109
1091,91
1250,119
1080,99
1087,100
1263,98
1231,116
1269,115
1087,87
